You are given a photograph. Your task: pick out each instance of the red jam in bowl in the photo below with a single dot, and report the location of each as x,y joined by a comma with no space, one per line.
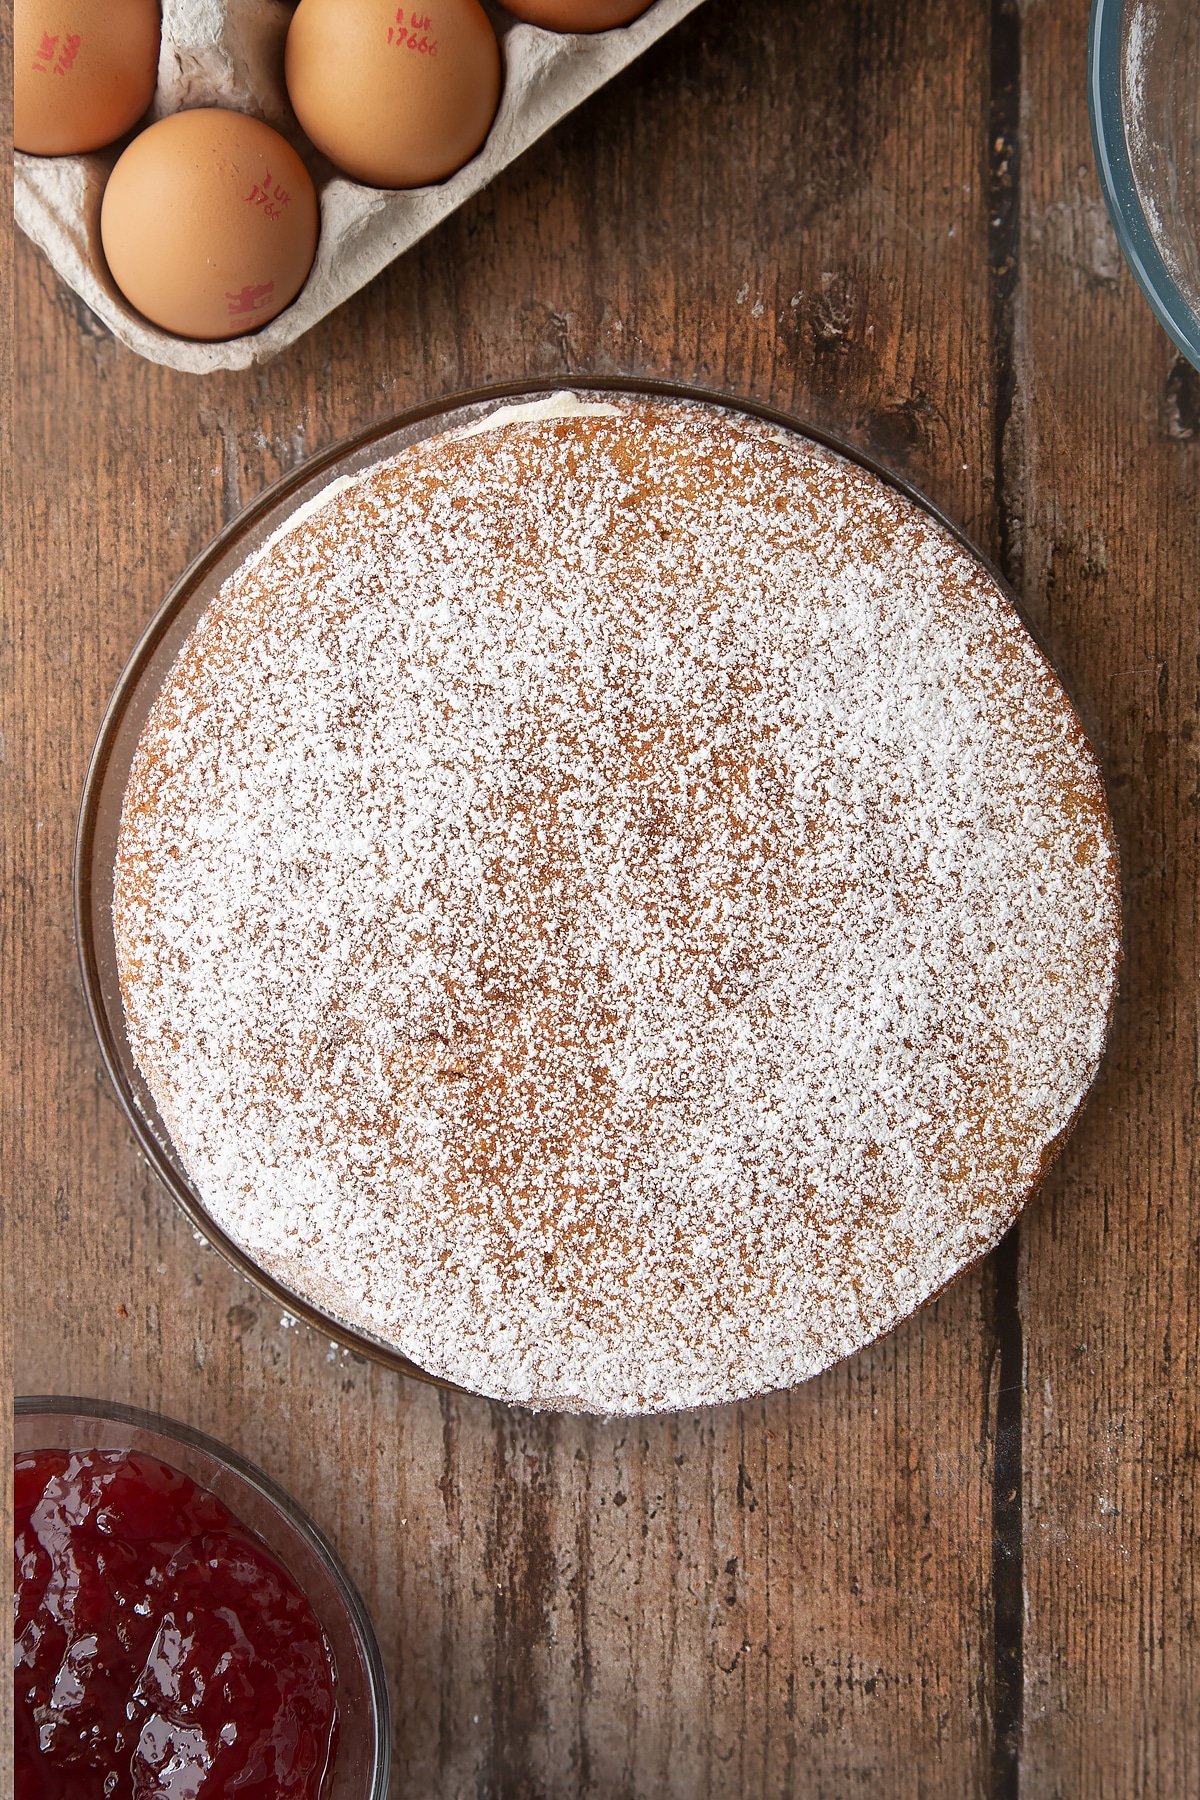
160,1649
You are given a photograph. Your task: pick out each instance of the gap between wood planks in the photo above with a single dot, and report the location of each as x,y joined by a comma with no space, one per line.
1008,1574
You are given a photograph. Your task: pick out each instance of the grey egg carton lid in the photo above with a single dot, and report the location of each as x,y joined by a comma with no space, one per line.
230,53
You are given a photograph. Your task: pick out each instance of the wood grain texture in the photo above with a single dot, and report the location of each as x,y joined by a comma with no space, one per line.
794,1596
10,1009
1103,468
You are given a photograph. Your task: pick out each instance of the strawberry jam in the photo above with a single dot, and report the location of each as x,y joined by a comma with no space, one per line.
160,1649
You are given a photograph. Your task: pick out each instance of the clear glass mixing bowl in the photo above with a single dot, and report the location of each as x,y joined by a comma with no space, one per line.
1144,95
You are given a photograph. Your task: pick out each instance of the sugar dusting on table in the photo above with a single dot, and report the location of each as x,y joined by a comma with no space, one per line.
617,908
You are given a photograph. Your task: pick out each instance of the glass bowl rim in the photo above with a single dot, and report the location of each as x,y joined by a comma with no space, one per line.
115,1412
326,462
1115,170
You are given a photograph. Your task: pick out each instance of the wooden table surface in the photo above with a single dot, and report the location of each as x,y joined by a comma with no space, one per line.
964,1562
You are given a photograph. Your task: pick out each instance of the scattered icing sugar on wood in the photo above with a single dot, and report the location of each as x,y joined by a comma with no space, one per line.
617,908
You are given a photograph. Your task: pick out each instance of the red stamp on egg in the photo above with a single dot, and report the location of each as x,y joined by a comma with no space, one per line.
49,59
248,300
271,195
70,51
412,33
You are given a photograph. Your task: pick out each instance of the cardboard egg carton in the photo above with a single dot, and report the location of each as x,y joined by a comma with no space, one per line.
230,53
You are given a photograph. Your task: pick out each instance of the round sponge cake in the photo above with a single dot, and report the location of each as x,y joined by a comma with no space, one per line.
613,903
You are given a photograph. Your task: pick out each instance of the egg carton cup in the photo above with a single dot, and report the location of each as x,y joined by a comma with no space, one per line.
230,53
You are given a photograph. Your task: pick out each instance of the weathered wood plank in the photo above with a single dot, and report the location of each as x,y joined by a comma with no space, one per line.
1103,468
8,972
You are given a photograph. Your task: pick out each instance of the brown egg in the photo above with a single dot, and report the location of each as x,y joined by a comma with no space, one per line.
209,223
576,15
396,96
83,72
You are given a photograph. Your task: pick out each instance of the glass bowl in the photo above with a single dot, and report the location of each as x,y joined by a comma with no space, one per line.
1144,97
53,1422
138,687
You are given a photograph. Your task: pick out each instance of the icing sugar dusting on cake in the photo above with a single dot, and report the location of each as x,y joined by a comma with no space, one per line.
616,907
